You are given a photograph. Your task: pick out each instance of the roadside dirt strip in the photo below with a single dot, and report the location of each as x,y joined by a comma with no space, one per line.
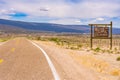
66,66
21,60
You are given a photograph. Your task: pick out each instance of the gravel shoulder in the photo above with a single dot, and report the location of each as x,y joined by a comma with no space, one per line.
82,65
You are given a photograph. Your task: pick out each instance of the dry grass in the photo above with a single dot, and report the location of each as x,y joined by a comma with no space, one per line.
104,65
115,72
95,64
78,42
118,58
91,62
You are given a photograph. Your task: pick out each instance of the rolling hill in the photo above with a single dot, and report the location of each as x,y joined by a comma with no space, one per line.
9,25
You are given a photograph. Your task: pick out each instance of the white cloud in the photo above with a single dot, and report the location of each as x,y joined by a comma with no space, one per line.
100,19
4,13
60,8
78,21
68,13
67,21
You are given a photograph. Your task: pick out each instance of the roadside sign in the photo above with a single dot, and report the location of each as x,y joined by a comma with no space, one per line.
101,31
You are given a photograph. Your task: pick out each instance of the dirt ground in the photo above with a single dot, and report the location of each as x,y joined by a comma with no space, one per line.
82,64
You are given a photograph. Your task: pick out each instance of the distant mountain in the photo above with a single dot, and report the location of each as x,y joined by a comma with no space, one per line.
9,28
45,27
39,26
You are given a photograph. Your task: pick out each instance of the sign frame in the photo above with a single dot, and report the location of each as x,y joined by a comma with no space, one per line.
109,34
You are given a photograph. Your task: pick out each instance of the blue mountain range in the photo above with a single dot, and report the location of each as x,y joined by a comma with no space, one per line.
47,27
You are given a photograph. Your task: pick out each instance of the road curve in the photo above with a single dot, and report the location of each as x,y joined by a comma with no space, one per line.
21,60
55,74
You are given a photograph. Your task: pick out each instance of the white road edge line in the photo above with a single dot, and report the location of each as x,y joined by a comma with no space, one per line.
54,72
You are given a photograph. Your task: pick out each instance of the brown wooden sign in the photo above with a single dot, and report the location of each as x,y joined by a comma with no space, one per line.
101,31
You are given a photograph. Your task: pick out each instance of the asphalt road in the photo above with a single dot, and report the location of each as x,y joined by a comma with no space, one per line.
21,60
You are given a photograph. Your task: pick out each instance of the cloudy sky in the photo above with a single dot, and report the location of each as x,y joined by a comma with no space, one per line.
62,11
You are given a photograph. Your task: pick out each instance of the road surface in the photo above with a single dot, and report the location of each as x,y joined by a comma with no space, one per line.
21,60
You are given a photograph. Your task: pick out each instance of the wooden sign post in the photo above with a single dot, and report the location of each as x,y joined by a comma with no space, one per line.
101,31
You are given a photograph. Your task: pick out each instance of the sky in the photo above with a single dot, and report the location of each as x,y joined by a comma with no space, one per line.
70,12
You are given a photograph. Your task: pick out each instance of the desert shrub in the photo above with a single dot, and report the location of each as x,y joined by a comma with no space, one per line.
29,37
95,53
38,38
74,48
115,72
97,49
109,51
103,51
118,52
115,49
56,40
79,46
3,40
118,58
